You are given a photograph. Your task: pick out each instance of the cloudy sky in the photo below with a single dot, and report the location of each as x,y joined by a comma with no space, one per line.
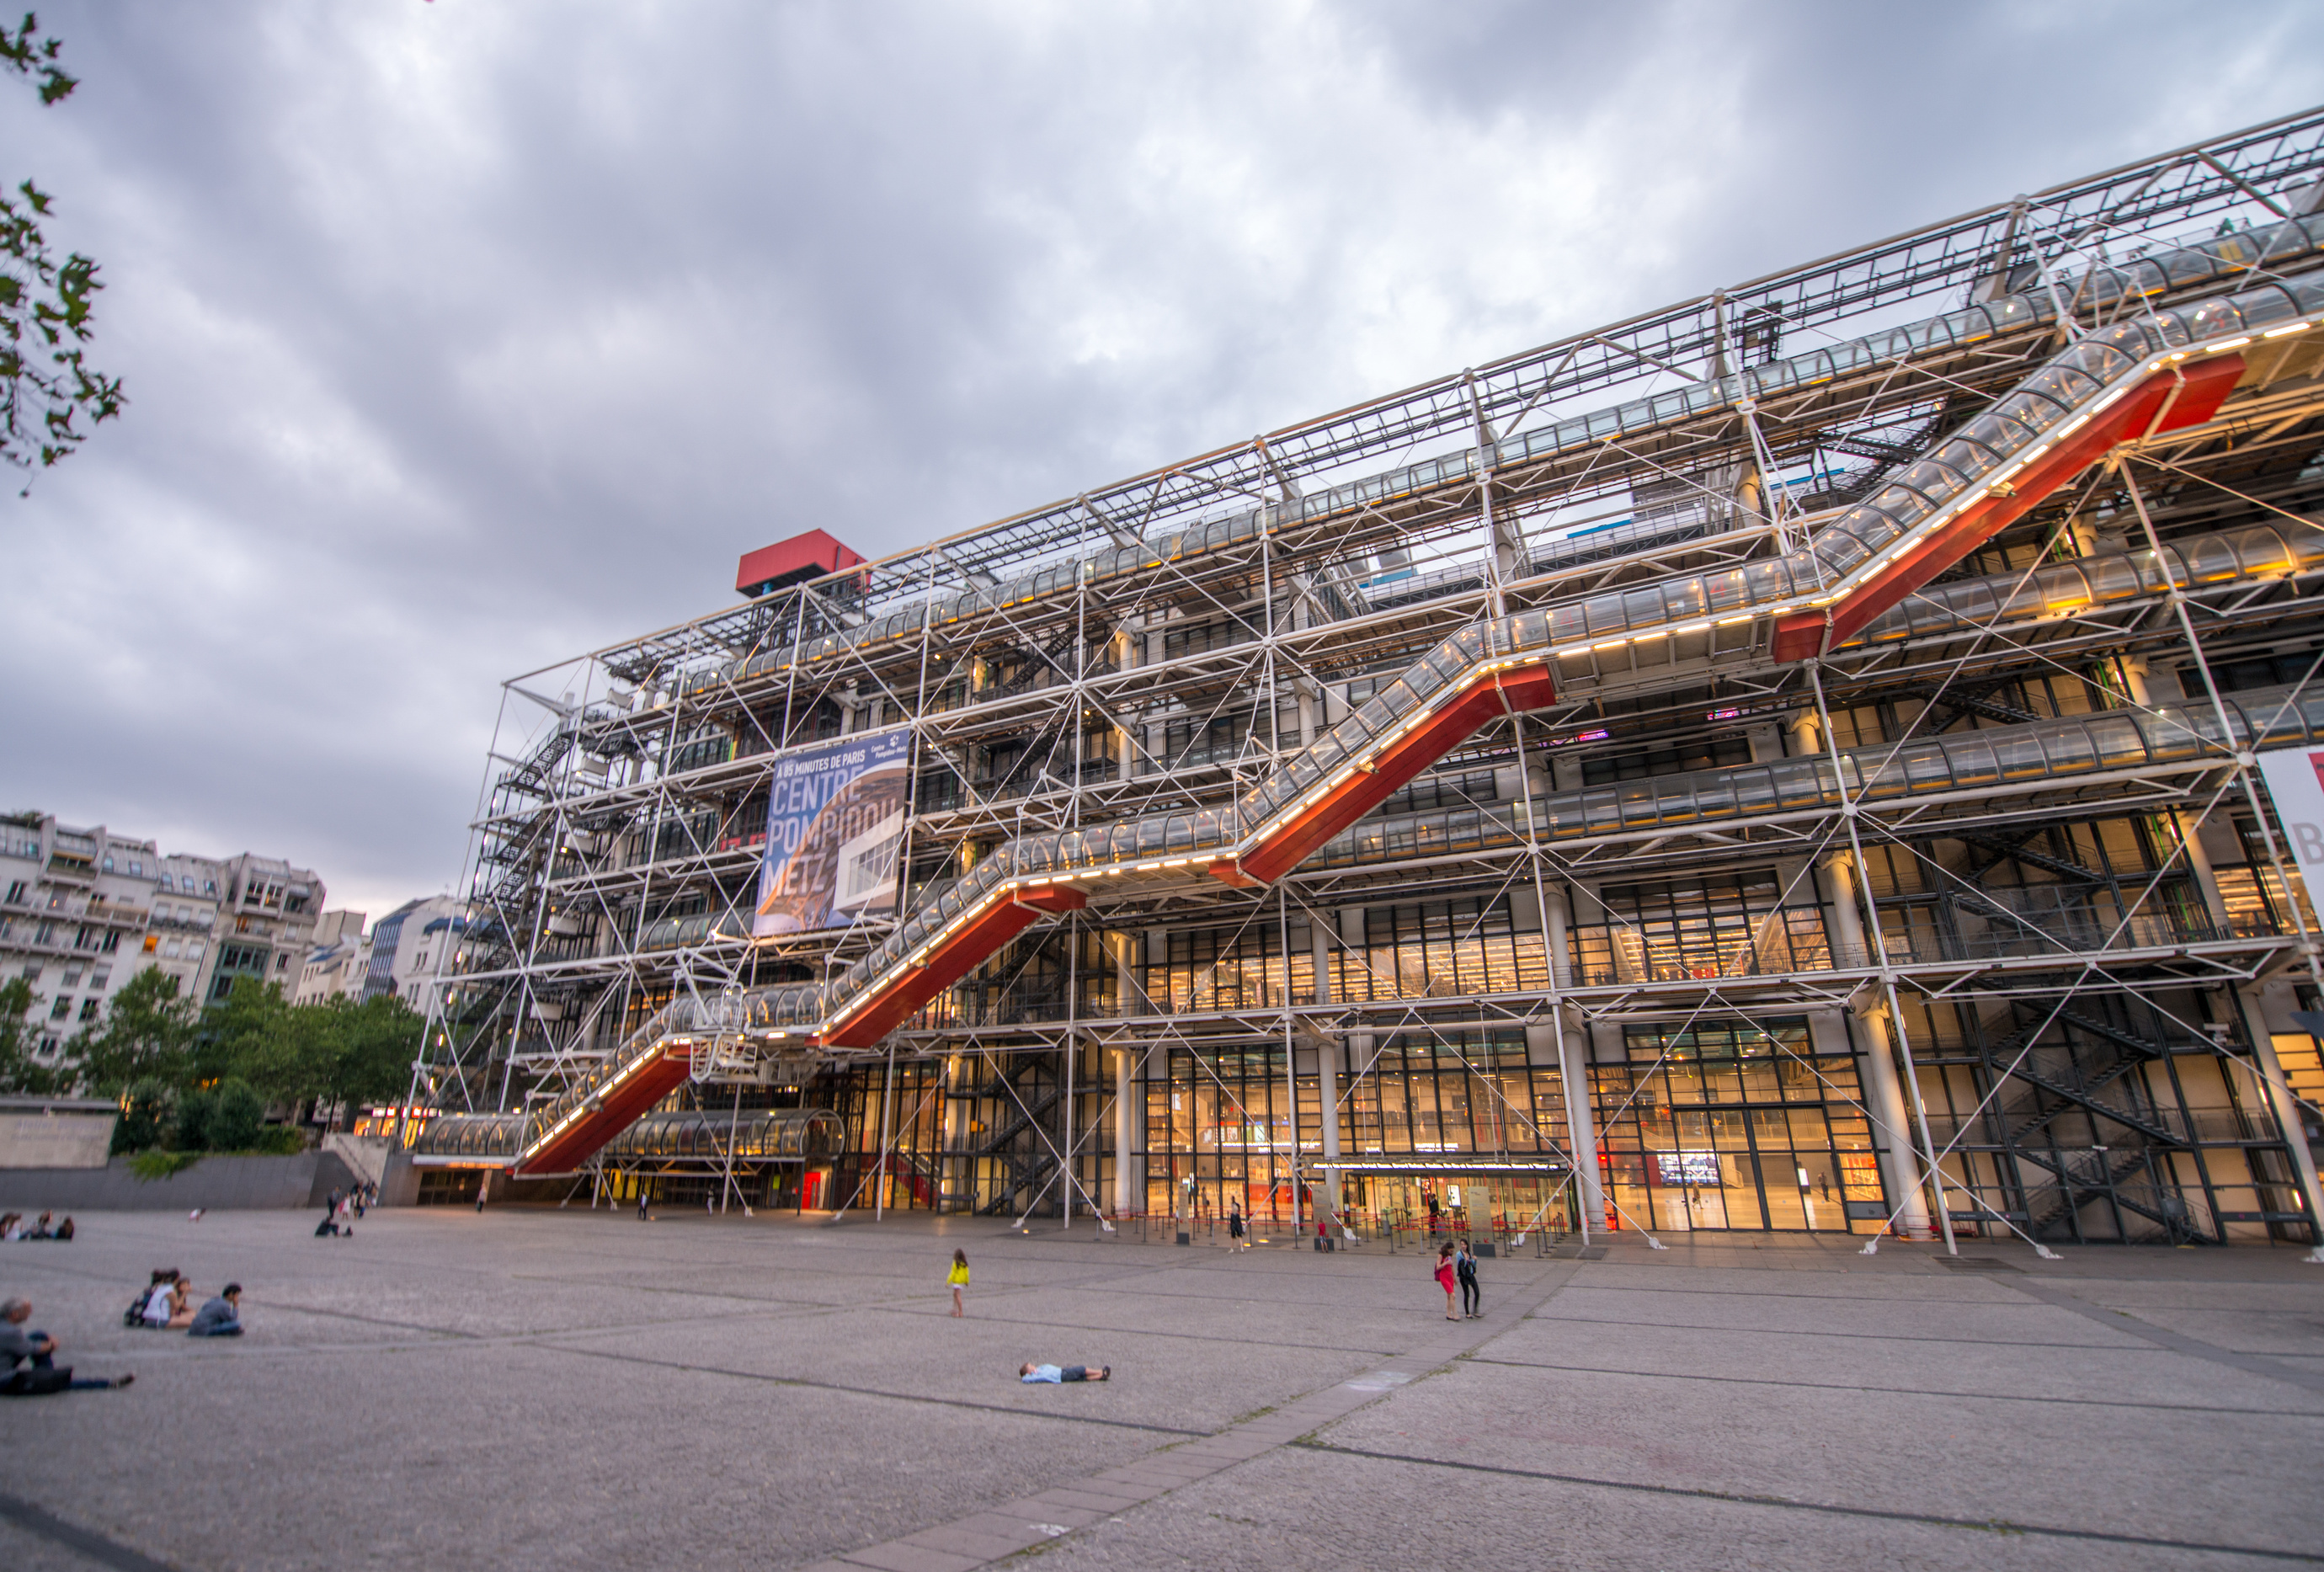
465,337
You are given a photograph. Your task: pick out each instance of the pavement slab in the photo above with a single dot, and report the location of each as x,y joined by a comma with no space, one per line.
536,1388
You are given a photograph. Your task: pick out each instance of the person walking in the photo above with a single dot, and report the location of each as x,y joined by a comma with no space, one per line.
1234,1226
957,1278
1464,1268
1444,1278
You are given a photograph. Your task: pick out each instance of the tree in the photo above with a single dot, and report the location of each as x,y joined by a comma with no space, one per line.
45,304
259,1036
147,1034
148,1108
20,1072
367,1048
236,1115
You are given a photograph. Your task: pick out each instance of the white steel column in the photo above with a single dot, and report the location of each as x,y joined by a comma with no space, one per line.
1884,1091
1130,999
1125,1081
1572,1069
1327,1066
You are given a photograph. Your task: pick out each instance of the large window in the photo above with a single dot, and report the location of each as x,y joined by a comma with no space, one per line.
1738,925
1439,950
1736,1124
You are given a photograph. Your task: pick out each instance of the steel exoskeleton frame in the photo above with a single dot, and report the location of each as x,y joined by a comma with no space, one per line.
618,826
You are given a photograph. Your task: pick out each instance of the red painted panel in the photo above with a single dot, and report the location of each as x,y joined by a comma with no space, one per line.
2162,402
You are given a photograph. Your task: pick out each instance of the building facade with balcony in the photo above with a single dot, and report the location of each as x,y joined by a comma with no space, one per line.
83,910
340,962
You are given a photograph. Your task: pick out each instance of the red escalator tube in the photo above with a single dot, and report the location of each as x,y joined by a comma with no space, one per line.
955,958
659,1072
2166,402
1481,701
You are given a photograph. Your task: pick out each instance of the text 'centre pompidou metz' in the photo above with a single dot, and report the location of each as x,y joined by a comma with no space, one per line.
1831,756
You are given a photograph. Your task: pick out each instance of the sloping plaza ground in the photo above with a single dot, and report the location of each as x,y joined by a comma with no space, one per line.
542,1389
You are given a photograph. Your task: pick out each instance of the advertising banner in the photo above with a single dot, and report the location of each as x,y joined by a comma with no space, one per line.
834,831
2295,780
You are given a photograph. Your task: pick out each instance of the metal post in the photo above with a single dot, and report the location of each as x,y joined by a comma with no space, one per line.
1573,1075
1887,975
1892,1143
1122,1083
1327,1064
887,1105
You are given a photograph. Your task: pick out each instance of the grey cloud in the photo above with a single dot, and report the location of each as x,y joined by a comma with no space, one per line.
465,337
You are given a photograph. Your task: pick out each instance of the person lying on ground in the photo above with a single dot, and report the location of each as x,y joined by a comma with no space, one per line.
1030,1374
32,1358
220,1317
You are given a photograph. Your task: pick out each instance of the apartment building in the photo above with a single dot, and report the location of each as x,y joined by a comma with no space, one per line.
83,910
75,906
340,962
407,948
266,924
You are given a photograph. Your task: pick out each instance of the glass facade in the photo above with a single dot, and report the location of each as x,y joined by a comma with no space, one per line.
1736,1124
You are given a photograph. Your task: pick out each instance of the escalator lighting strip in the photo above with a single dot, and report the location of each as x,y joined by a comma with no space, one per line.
2279,332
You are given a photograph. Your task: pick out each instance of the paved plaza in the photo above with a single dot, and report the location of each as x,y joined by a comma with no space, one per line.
531,1388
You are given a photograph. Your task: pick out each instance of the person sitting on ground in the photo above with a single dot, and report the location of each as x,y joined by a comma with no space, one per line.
32,1358
134,1316
220,1317
181,1306
64,1229
46,1228
9,1224
1030,1374
161,1299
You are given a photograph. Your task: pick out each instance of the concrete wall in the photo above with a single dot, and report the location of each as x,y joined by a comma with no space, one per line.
55,1140
219,1183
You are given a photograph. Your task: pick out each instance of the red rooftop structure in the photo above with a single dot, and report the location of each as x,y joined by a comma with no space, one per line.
790,562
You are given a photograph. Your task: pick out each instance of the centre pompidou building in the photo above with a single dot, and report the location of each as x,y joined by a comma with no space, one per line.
1797,760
